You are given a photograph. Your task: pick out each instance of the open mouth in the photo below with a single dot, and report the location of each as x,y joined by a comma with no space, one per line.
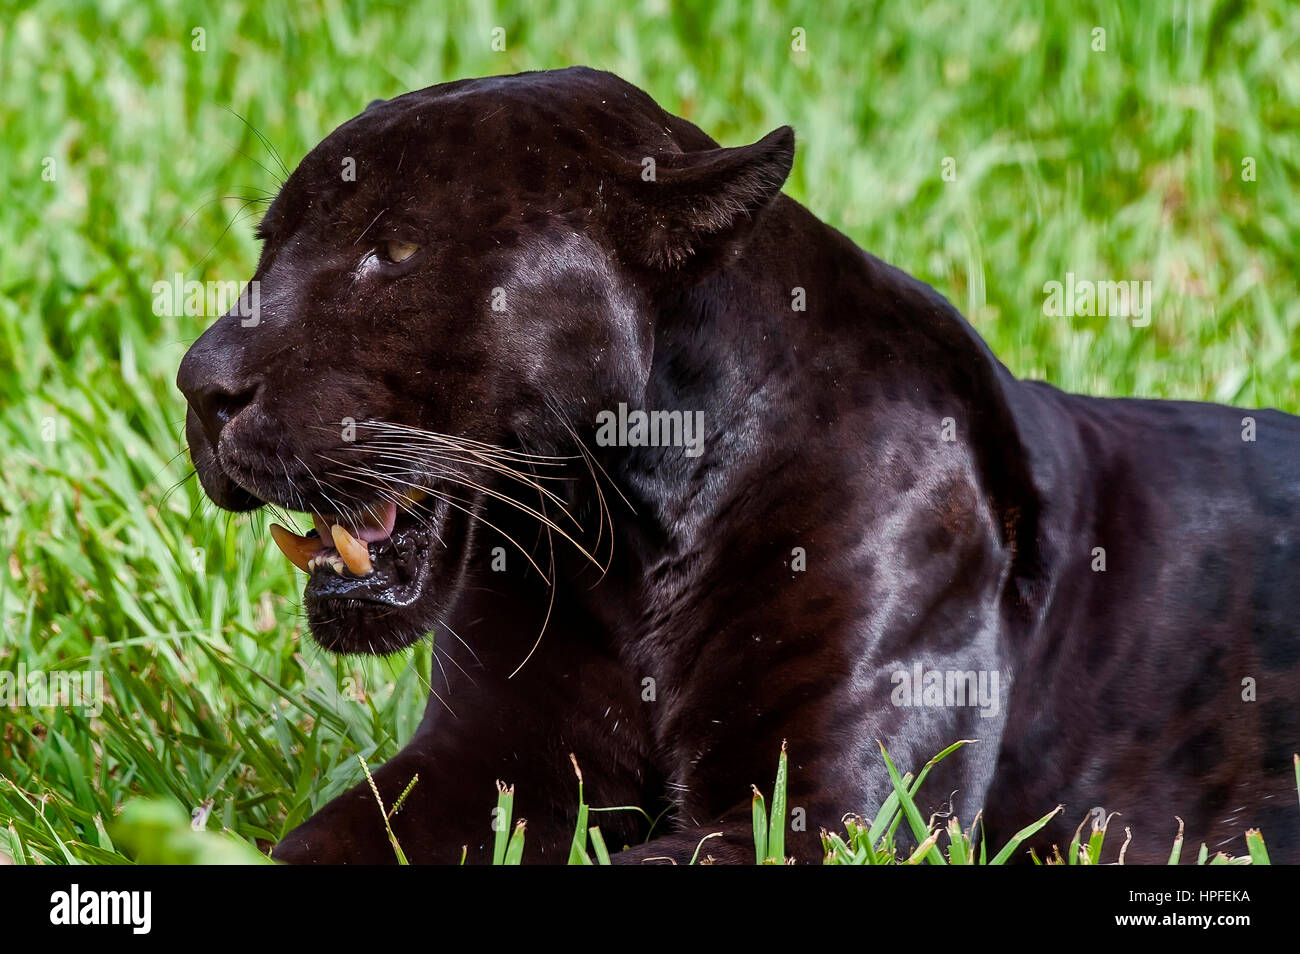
377,555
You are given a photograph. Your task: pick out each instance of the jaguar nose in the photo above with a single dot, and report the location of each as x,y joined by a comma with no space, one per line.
215,391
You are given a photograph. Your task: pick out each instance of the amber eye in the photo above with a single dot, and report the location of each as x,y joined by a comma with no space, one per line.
399,251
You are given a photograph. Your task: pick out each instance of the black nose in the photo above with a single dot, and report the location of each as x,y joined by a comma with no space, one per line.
214,387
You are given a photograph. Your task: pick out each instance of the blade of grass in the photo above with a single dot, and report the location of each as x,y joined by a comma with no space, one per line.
598,845
1177,851
578,848
776,822
919,828
760,826
694,857
501,821
1255,844
958,849
515,850
1027,832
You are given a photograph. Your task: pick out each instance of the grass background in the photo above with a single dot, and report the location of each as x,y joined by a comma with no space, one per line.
1122,164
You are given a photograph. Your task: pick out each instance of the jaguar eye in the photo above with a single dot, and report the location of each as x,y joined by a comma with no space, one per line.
397,252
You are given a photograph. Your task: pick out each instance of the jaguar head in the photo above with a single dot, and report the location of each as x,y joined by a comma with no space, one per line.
450,284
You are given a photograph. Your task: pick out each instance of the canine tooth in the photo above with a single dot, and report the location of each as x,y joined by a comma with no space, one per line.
299,550
354,553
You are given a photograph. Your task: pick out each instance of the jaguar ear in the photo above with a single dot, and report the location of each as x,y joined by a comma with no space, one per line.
686,202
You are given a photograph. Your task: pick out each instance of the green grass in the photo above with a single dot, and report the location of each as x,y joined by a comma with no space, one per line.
873,843
1123,164
869,842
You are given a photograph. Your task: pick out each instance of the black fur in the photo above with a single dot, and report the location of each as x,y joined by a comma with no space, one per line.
824,435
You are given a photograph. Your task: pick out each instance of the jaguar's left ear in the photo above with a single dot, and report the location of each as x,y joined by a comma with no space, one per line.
683,203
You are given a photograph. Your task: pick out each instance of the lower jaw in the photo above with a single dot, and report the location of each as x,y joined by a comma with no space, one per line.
360,628
374,615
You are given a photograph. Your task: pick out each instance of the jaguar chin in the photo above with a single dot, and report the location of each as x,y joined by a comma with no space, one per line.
458,284
375,547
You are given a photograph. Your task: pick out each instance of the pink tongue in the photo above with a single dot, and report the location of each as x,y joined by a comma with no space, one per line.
383,529
378,524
